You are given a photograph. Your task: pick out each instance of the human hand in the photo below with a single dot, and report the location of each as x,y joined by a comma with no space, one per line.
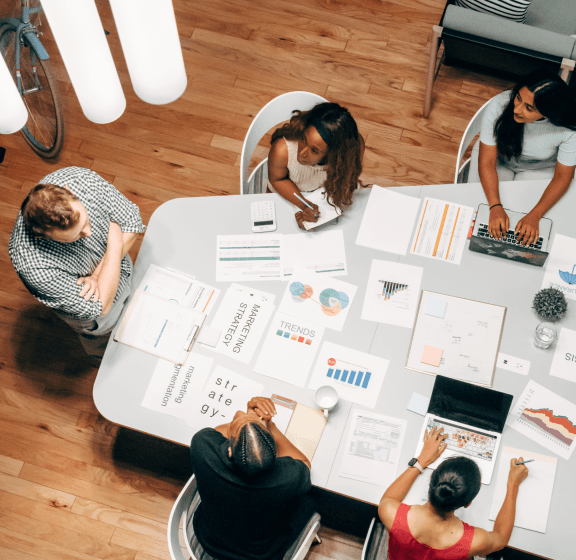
90,287
311,214
518,473
528,229
498,223
263,407
434,446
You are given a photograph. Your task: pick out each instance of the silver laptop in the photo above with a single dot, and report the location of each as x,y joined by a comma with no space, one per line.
472,416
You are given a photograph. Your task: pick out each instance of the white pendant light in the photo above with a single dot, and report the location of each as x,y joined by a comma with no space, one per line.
149,37
82,43
13,113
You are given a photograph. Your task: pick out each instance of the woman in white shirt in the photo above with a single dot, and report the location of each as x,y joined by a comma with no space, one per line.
529,130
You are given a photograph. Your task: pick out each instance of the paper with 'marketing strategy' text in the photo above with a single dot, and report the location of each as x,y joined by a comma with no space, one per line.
173,387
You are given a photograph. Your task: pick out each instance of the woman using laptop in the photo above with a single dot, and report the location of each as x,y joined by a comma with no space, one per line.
317,148
527,133
432,531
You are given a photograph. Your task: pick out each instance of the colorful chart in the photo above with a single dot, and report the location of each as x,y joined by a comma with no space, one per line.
390,289
558,427
332,301
352,376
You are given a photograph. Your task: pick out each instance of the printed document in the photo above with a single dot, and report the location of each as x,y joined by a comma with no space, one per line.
248,257
561,267
534,494
564,362
373,448
322,253
441,230
388,221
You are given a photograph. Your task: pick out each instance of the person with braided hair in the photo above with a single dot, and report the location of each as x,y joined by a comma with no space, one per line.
252,483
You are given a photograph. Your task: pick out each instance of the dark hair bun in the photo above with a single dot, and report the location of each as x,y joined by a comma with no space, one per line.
455,483
253,449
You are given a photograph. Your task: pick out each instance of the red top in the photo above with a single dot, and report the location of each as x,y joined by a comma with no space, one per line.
403,546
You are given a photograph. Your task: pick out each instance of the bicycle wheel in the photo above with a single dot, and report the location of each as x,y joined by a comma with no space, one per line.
44,130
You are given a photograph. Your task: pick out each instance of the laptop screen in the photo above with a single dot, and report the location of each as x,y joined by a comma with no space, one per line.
469,404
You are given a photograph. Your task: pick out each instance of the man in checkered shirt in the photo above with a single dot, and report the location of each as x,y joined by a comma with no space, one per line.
70,247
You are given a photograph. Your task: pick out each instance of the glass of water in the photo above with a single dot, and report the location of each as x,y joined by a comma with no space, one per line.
546,334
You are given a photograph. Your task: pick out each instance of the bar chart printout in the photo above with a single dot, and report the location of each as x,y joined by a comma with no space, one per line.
546,418
356,376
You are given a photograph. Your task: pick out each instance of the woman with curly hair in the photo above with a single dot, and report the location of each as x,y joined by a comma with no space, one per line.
253,485
317,148
527,133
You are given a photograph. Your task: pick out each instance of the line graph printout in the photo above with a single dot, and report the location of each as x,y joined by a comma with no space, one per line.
392,293
441,230
468,335
547,418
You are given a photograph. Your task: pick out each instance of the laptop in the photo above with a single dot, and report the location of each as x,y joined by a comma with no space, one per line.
474,418
509,248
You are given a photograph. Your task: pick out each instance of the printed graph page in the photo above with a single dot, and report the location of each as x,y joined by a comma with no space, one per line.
546,418
442,230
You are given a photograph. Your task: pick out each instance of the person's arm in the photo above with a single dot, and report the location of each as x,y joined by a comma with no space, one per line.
485,542
433,447
279,178
499,221
109,275
528,227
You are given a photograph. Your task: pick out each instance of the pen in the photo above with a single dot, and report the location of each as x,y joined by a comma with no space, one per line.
302,200
527,461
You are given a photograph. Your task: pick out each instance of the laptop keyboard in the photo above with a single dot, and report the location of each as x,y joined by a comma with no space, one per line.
466,442
511,237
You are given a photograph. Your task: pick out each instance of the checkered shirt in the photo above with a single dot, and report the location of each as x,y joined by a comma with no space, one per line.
50,269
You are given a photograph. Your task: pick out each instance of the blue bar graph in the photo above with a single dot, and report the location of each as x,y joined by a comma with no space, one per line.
337,374
351,378
357,378
366,380
330,372
344,376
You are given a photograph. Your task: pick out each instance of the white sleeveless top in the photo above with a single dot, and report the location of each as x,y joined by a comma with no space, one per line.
306,177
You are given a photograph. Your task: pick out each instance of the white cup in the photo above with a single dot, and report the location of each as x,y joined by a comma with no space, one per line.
326,398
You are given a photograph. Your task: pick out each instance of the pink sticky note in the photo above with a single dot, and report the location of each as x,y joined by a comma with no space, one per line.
431,356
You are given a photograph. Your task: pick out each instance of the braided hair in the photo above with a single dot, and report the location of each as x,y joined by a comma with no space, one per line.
455,483
253,449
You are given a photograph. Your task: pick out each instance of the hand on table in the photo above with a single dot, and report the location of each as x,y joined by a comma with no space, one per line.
89,287
307,215
434,446
263,407
518,473
498,223
528,229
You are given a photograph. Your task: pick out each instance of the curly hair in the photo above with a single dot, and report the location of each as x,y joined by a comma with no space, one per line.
552,99
47,207
253,449
344,158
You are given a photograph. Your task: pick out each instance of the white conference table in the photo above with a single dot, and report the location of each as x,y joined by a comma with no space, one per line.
182,235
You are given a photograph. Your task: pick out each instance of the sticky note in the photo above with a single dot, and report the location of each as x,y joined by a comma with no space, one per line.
431,356
418,404
436,307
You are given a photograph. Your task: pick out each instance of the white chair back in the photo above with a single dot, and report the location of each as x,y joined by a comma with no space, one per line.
471,131
258,179
273,113
180,506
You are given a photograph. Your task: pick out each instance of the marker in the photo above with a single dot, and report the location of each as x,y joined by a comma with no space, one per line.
527,461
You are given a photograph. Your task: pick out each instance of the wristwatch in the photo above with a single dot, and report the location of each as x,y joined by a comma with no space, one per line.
414,463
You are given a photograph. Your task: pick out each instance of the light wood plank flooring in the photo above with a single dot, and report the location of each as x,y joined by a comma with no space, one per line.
72,485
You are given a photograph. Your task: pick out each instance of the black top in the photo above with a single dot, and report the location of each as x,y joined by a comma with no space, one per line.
242,517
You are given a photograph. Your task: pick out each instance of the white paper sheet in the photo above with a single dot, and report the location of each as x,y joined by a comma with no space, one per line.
564,362
242,318
510,363
248,257
289,349
225,393
322,300
418,404
392,293
388,221
468,335
173,387
534,494
373,448
546,418
356,376
561,266
322,253
441,230
325,209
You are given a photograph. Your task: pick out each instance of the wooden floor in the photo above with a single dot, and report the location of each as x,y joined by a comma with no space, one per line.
72,485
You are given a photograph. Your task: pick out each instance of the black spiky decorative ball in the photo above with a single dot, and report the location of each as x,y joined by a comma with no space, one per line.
550,304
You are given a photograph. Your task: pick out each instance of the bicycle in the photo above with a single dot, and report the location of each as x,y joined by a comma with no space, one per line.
27,60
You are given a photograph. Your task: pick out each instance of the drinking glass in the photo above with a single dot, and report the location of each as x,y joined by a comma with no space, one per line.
546,334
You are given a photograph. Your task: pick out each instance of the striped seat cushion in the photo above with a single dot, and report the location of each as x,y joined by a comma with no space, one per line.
514,10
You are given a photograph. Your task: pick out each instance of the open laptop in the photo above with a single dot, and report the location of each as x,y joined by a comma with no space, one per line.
474,418
509,248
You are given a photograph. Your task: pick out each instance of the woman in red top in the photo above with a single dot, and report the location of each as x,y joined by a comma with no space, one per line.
432,531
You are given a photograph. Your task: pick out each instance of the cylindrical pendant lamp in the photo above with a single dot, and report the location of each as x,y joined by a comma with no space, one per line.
149,37
82,43
13,112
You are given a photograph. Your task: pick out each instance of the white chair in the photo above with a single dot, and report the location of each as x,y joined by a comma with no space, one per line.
273,113
376,543
184,508
473,128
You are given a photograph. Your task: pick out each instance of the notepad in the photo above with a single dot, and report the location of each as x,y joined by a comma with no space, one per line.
431,356
305,429
436,308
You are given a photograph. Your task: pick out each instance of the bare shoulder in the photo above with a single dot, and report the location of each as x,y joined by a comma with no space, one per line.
483,542
387,511
278,155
